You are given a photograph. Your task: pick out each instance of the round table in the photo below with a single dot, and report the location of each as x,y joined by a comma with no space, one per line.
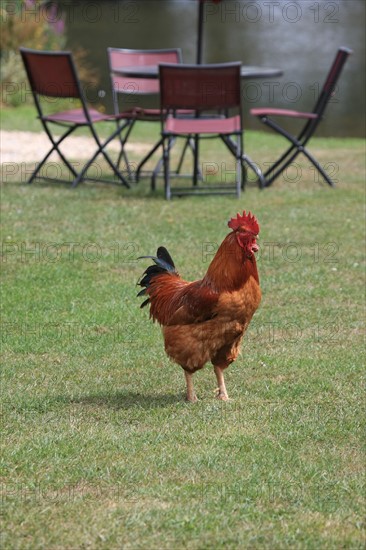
152,71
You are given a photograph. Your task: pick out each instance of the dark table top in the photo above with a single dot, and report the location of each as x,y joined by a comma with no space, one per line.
152,71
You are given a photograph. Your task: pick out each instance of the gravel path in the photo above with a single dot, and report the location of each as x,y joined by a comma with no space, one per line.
31,147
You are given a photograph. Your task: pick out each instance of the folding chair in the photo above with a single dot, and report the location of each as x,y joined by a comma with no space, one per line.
213,92
127,89
53,75
312,121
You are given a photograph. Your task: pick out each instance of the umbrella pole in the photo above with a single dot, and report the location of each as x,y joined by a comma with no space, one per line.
201,7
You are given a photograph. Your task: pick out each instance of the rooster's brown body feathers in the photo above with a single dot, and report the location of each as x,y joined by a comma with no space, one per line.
204,320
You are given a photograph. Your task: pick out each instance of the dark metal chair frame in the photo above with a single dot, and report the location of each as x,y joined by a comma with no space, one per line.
213,93
53,74
313,119
125,86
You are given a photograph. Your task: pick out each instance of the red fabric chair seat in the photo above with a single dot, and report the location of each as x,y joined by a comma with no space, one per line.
282,112
188,126
77,116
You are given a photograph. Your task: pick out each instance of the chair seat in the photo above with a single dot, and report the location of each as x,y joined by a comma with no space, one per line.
75,116
229,125
282,112
155,114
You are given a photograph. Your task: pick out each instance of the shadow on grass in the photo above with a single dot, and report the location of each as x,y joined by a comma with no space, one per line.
117,401
127,400
138,191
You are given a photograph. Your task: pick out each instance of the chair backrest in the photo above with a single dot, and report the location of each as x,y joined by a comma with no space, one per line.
200,87
331,80
121,57
51,74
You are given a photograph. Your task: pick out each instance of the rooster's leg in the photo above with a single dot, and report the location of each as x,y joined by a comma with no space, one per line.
221,392
191,395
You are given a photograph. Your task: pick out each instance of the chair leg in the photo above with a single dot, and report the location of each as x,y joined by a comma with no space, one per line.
123,140
239,166
279,161
256,170
159,165
195,160
146,158
274,175
271,175
155,173
243,175
287,157
244,159
297,146
181,159
80,177
318,167
100,150
55,147
166,152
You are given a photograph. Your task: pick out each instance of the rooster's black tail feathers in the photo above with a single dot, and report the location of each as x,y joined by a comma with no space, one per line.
164,255
163,264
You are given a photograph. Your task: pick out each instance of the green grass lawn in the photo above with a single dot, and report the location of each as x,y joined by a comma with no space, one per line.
100,450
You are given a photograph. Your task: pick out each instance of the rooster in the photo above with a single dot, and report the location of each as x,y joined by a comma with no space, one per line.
205,320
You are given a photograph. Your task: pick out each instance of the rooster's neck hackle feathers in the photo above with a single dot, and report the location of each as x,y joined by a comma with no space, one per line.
230,268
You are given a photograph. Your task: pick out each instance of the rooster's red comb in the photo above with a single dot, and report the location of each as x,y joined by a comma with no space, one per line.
248,221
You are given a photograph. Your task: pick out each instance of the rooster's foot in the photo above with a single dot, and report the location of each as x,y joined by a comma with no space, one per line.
192,398
221,395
